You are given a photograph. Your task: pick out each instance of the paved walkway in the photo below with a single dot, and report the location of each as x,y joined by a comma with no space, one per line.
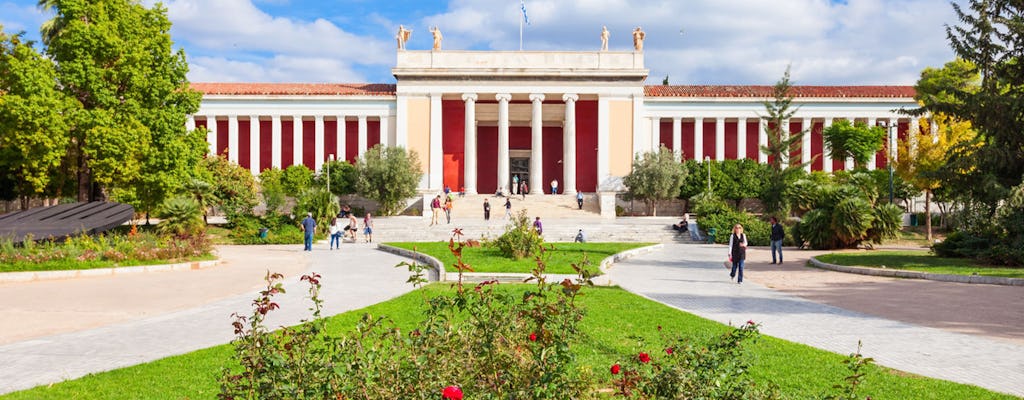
693,279
356,277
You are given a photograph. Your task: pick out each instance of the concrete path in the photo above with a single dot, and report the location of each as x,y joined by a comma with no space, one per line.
354,277
692,278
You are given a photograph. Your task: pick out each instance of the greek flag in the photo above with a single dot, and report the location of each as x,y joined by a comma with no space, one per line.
522,6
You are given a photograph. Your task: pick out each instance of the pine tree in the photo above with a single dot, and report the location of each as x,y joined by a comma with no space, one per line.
781,144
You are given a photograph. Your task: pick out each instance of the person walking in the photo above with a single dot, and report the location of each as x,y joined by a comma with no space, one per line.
435,209
538,226
352,226
737,252
777,234
487,210
579,199
508,208
554,186
524,189
368,228
448,209
334,231
515,183
308,227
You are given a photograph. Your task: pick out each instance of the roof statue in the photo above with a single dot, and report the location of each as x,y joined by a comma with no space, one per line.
604,38
402,36
638,39
437,38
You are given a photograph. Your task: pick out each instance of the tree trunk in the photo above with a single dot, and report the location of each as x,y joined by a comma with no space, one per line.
654,208
928,215
84,186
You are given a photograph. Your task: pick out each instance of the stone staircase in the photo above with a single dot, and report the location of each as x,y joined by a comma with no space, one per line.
538,205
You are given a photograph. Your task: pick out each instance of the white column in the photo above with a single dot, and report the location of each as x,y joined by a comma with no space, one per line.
805,143
741,138
361,140
275,141
719,139
254,144
537,143
385,131
655,133
469,175
436,179
762,140
318,142
190,123
233,138
340,143
569,143
698,139
297,140
503,171
677,138
211,134
826,158
874,156
894,154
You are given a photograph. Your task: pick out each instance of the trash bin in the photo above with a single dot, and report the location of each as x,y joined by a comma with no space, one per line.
913,219
711,235
263,233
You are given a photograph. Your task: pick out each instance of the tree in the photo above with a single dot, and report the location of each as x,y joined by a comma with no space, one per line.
202,193
842,216
272,189
857,140
388,175
343,177
938,88
233,186
743,179
296,179
781,145
32,129
115,58
655,176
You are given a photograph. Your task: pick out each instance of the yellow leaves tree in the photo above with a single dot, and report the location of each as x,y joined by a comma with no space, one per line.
924,153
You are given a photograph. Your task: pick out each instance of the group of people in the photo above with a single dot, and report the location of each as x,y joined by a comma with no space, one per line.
437,206
344,226
738,247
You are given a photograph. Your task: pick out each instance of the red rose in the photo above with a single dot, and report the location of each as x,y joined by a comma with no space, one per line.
533,337
750,322
644,358
451,393
669,351
615,369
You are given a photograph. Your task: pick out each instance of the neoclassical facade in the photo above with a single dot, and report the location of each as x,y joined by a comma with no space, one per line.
478,118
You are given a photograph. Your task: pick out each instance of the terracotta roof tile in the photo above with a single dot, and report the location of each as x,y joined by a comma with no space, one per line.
761,91
296,89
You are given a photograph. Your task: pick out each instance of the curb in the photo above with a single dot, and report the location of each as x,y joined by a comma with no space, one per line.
30,276
438,273
897,273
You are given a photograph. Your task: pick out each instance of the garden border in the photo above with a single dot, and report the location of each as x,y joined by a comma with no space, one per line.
438,273
898,273
31,276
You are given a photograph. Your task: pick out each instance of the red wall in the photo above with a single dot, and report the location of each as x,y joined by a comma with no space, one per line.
688,147
730,140
709,139
372,133
244,133
794,155
309,144
266,138
817,147
287,144
487,159
351,141
752,148
666,133
552,138
222,137
331,139
453,144
586,145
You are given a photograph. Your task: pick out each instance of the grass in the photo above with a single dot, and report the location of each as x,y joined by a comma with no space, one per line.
489,259
614,316
919,261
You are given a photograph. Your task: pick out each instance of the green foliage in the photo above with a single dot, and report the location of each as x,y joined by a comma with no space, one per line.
388,175
775,197
844,214
233,186
996,239
181,216
343,177
296,179
655,176
938,89
713,213
321,203
272,189
558,256
743,179
520,240
202,192
33,138
101,251
857,140
281,229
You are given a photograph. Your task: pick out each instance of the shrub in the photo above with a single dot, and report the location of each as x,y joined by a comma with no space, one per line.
181,216
272,189
282,229
321,204
296,179
520,240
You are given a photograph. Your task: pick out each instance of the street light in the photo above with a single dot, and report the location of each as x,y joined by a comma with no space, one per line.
707,160
890,134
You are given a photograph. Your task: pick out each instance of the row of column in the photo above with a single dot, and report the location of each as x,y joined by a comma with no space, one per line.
297,138
762,138
536,142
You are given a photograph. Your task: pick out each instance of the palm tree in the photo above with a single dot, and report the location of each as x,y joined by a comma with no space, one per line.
202,193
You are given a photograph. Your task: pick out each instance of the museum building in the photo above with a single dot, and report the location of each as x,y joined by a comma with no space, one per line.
477,118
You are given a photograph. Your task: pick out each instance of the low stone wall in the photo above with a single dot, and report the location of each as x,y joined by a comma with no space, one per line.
898,273
28,276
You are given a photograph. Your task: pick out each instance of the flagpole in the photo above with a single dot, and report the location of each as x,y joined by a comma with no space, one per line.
521,33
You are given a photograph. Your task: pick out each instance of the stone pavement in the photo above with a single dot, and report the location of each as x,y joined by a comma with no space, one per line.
354,277
692,278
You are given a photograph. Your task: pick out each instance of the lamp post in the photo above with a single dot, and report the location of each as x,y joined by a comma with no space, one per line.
891,139
707,160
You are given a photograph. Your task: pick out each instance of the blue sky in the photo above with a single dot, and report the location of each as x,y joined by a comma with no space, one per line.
827,42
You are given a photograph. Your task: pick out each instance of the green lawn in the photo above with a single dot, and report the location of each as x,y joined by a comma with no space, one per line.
919,261
558,257
613,316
